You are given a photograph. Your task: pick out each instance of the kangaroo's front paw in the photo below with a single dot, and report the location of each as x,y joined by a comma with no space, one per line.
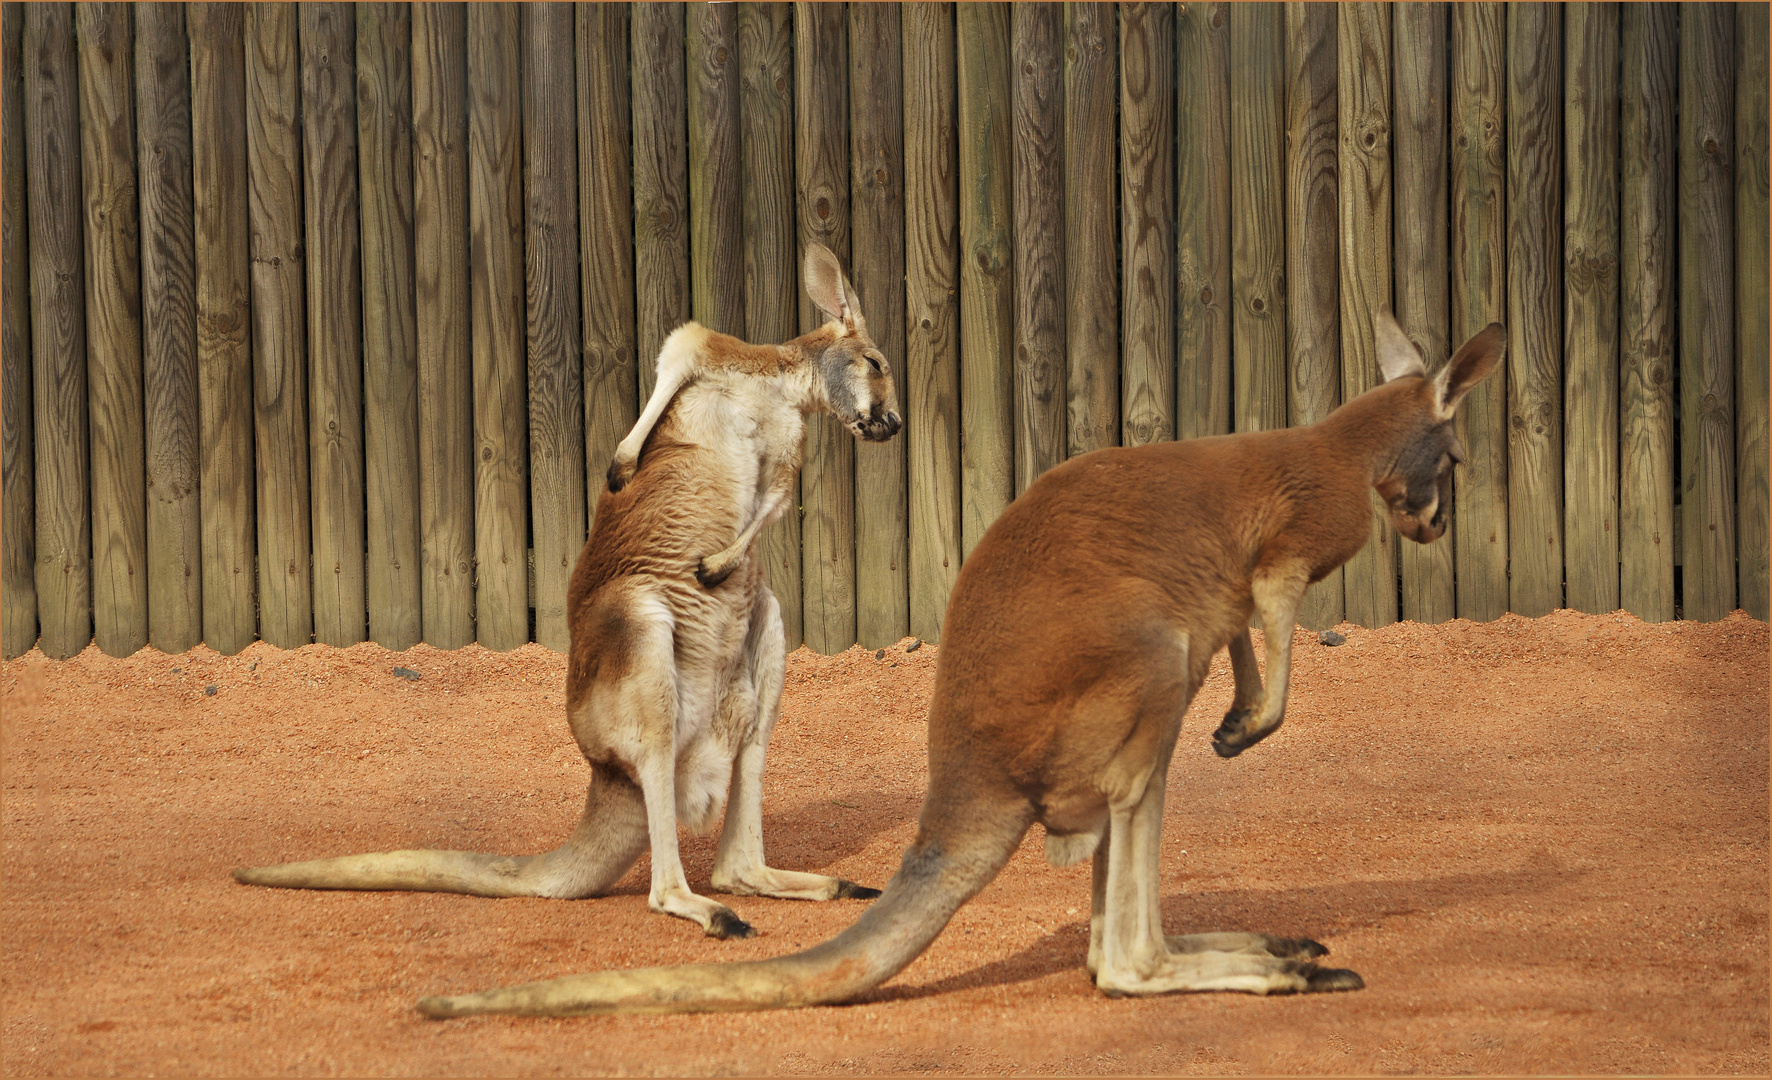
712,574
620,473
1241,730
727,926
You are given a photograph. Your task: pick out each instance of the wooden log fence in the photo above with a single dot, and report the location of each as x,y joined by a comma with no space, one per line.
321,321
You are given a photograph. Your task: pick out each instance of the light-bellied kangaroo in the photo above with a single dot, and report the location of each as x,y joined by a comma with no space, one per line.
1156,555
677,657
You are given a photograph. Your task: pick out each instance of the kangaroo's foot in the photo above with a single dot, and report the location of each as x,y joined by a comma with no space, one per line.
716,919
1245,972
788,885
1268,944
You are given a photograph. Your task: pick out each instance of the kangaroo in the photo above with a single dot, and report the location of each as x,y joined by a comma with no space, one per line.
1157,554
677,656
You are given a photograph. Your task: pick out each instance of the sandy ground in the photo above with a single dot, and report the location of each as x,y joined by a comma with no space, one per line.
1543,843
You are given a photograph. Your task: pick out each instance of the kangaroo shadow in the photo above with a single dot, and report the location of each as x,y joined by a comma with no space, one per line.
1286,912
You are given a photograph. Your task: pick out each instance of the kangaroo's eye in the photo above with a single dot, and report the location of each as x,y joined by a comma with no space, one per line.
875,364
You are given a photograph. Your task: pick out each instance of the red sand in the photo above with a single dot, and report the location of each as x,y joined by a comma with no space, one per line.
1543,843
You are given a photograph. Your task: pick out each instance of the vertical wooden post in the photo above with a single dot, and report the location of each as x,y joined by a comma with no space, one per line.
1707,310
1363,103
18,481
606,236
1590,296
169,328
335,339
987,268
441,293
113,327
556,377
1646,332
392,571
932,332
1753,531
771,266
279,325
501,434
1038,90
1090,164
1313,328
716,222
821,172
1479,297
58,331
661,187
1258,217
1419,156
1535,308
1147,222
1202,220
226,413
882,503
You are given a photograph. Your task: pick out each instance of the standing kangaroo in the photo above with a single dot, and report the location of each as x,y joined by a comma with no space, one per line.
1157,555
677,656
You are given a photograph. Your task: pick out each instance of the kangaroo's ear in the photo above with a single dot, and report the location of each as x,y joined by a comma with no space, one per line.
1397,355
827,286
1470,365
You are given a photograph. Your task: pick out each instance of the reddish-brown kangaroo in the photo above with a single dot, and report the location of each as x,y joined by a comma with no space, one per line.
674,680
1158,555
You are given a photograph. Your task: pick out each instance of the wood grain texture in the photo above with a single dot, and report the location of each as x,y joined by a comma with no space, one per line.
1535,308
771,270
821,177
1091,227
882,500
1363,105
1590,299
335,336
556,380
1147,223
58,331
605,236
172,450
501,431
441,293
1753,394
661,185
987,268
1313,228
392,569
1418,156
716,212
932,325
1258,217
1479,297
113,327
1202,220
1707,310
18,480
1037,87
223,242
279,325
1646,331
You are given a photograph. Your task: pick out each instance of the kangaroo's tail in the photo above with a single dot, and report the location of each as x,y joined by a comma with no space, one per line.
610,836
955,855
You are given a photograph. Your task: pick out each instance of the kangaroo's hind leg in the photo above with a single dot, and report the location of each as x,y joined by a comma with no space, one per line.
739,867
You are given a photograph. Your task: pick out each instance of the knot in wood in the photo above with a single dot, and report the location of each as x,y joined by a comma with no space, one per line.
824,208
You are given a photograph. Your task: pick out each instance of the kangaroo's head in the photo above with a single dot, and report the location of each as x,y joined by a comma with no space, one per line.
1417,486
857,378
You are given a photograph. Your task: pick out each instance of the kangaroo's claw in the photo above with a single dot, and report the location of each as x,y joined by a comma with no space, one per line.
619,474
711,578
